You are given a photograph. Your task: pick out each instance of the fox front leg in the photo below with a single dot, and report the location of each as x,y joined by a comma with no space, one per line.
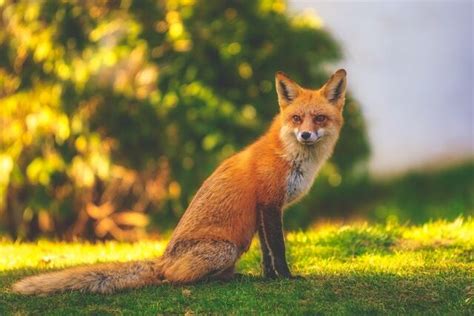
267,265
272,242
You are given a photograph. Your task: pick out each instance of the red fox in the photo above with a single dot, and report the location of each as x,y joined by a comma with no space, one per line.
245,195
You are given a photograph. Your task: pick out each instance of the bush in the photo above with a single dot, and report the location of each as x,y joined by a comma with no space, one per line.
115,110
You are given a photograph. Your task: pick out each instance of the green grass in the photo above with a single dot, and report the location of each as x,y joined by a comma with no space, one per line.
358,269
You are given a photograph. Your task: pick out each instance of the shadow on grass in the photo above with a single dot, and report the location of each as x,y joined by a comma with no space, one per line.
441,291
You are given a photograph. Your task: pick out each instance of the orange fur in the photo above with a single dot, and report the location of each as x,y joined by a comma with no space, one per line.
221,220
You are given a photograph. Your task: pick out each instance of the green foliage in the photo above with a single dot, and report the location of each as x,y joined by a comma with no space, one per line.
391,269
416,197
420,196
115,107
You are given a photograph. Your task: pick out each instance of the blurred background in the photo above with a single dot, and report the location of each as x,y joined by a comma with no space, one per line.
112,113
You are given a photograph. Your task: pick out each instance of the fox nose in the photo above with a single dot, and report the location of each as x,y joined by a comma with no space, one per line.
305,135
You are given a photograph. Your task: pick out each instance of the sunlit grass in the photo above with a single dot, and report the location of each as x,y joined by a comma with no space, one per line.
391,248
48,254
366,268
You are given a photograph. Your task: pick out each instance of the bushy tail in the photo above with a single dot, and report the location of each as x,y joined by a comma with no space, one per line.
102,278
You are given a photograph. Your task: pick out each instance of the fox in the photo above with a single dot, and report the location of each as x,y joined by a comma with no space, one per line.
245,196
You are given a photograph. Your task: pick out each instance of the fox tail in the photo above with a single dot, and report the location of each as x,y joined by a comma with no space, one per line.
102,278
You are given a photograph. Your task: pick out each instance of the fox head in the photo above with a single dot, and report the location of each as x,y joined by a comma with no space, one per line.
311,117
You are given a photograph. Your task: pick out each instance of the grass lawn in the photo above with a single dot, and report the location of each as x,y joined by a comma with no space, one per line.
359,269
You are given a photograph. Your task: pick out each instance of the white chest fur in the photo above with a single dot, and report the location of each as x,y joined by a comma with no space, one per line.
301,177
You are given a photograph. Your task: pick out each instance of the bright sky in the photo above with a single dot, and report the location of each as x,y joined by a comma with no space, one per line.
410,64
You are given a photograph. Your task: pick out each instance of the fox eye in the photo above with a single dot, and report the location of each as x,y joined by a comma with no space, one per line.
320,118
296,118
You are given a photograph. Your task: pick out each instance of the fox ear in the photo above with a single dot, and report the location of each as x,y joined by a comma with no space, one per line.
335,88
286,88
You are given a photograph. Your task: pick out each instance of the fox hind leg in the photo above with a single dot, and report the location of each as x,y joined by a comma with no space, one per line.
192,262
227,275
